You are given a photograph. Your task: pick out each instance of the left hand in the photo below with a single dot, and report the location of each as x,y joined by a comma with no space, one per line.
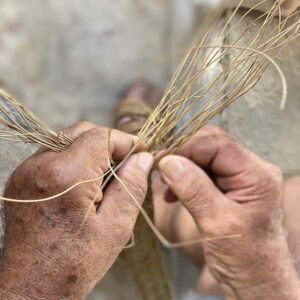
61,248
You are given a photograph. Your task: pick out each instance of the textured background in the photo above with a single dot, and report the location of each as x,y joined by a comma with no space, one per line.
69,60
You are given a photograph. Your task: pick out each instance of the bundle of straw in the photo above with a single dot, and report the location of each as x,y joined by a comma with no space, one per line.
251,53
267,35
20,125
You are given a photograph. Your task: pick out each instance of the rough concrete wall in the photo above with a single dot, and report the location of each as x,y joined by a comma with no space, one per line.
72,58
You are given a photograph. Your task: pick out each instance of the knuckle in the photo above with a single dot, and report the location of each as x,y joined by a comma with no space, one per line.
89,131
277,174
84,124
52,170
97,136
274,178
78,128
222,141
197,197
273,175
98,130
229,142
208,130
214,130
50,175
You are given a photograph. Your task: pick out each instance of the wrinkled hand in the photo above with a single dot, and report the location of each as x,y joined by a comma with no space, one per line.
60,249
229,191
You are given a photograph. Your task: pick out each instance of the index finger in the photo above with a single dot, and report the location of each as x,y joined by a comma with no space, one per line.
118,143
103,142
214,149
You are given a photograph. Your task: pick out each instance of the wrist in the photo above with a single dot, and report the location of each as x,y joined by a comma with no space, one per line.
272,276
281,285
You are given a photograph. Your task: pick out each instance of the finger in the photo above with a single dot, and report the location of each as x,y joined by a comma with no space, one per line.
77,129
216,151
118,210
102,144
106,141
193,188
174,221
163,211
120,144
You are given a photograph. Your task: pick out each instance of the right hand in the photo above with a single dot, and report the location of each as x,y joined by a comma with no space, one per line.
242,195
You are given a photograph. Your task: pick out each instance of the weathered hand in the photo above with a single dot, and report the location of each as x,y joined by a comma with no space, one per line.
60,249
242,195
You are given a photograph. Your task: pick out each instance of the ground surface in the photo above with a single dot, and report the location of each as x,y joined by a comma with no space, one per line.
69,60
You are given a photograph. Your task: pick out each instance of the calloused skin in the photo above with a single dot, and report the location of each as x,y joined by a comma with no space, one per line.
60,249
242,195
48,254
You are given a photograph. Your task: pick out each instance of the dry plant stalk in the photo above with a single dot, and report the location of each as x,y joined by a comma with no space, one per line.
20,125
178,115
180,103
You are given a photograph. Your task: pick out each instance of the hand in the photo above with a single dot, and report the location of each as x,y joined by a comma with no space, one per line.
242,196
61,248
170,215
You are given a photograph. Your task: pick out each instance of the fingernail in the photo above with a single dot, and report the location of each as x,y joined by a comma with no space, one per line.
172,167
145,161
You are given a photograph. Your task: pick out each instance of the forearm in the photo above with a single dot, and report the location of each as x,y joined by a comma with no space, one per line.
274,277
282,289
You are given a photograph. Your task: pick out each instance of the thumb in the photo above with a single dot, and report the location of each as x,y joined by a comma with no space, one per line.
193,188
118,209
